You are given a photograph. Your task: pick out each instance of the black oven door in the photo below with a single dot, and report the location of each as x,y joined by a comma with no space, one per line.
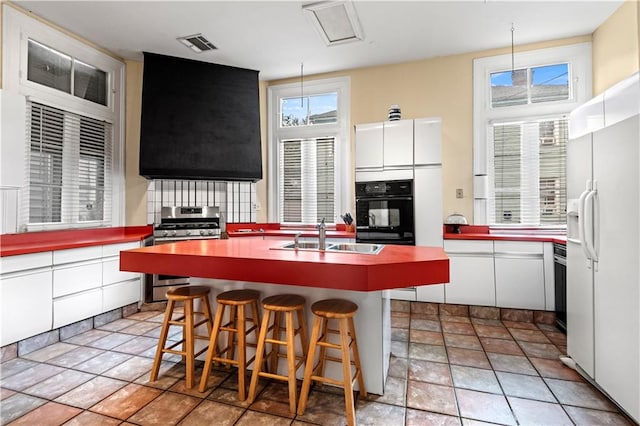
385,220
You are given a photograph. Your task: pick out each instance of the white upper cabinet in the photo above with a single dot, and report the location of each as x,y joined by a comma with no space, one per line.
369,145
398,143
428,146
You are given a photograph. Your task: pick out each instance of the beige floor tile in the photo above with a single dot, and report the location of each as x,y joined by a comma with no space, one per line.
50,414
530,412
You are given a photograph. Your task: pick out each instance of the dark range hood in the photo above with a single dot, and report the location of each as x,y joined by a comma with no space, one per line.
199,121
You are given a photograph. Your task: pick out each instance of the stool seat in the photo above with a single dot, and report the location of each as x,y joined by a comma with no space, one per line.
334,308
188,292
238,297
284,302
187,295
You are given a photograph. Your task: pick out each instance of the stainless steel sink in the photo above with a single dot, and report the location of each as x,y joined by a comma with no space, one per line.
302,245
363,248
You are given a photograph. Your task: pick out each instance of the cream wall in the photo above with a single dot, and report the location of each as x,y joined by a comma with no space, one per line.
441,87
616,47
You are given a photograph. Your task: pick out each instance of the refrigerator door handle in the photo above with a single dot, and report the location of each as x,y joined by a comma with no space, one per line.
581,220
590,205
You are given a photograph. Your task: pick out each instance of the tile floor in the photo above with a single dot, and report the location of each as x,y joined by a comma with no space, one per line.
445,370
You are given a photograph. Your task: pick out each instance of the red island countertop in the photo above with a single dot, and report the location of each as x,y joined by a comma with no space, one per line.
483,232
242,259
36,242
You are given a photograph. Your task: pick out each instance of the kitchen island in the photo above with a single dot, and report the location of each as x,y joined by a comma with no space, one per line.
265,266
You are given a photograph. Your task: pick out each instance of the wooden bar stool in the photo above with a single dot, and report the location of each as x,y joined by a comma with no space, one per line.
188,323
286,304
237,301
343,311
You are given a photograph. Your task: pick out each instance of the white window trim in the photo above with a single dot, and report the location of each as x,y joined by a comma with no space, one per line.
340,130
578,56
17,29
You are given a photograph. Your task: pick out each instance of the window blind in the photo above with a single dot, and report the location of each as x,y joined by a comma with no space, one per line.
307,176
527,177
69,159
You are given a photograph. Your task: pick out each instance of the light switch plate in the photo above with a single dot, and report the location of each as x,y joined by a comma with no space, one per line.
459,193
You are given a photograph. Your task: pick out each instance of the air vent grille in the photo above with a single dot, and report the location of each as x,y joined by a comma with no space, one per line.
197,42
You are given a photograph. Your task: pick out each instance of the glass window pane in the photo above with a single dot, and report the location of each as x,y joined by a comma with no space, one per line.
509,88
291,192
91,173
294,111
90,83
550,83
325,181
507,165
323,108
309,110
48,67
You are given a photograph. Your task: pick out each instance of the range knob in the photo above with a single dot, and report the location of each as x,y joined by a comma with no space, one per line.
174,233
210,232
202,232
165,233
187,233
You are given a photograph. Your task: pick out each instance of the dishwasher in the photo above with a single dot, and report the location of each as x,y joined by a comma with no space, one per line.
560,280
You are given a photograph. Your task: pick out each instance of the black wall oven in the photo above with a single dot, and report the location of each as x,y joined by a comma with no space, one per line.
384,212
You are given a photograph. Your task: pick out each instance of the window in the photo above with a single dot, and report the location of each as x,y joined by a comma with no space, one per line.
73,109
521,133
54,69
69,157
309,152
527,177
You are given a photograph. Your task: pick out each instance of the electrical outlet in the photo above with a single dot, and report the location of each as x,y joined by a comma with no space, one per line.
257,206
459,193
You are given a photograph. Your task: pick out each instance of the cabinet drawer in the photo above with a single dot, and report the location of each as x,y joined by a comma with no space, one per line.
76,255
120,294
516,247
77,278
76,307
468,247
111,272
115,249
25,262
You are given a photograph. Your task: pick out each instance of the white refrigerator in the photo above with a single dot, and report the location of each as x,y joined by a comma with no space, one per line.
603,242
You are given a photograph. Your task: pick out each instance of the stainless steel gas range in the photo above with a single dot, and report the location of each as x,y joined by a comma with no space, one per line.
181,224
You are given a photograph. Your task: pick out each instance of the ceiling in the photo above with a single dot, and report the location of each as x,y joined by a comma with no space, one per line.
275,37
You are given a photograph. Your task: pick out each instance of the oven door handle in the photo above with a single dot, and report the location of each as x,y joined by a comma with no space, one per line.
387,197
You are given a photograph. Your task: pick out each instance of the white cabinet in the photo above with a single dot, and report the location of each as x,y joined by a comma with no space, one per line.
427,200
398,143
384,145
427,141
471,273
119,288
25,301
46,290
77,282
519,275
369,140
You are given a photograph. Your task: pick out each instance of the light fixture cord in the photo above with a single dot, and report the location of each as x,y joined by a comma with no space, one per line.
301,83
513,30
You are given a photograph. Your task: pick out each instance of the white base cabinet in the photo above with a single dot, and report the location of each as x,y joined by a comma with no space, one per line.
471,273
46,290
519,275
25,298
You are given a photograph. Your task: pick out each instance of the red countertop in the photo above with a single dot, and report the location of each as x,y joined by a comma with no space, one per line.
35,242
253,260
277,230
483,232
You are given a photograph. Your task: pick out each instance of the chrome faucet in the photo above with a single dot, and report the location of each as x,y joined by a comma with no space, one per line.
296,240
322,235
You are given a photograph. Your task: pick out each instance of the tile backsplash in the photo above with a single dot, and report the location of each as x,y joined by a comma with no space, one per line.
237,200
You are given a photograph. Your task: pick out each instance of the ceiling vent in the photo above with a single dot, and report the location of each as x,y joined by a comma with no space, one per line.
335,21
197,43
